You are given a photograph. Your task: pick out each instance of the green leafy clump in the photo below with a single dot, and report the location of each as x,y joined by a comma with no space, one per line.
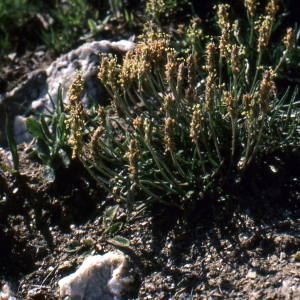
51,139
111,228
179,127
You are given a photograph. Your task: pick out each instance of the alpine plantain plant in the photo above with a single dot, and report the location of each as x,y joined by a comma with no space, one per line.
178,128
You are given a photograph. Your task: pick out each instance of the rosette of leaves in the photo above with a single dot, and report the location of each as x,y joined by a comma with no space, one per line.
50,139
112,228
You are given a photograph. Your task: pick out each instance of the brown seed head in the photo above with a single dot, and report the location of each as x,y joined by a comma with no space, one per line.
180,29
210,57
235,61
224,45
168,102
196,124
288,39
272,8
169,134
193,32
76,88
267,91
191,95
109,70
264,31
180,77
75,123
229,101
102,115
128,71
223,14
251,7
155,7
171,67
133,158
93,145
138,123
246,102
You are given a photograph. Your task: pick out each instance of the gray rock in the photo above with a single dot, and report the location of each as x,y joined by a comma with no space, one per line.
39,85
99,277
6,293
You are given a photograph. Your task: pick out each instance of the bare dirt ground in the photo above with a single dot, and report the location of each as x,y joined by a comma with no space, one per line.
240,246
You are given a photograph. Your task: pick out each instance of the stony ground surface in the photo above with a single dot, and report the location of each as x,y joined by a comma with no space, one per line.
241,247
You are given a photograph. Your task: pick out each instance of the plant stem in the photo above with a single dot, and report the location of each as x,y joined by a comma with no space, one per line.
281,61
176,164
233,117
251,30
200,156
258,139
256,72
213,133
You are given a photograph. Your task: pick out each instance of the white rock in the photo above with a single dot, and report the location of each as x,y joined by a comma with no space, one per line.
99,277
5,294
20,130
252,274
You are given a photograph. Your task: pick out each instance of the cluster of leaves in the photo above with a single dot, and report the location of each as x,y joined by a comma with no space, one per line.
109,234
51,145
170,136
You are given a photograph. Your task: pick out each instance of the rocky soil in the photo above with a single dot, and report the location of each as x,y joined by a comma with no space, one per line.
242,245
240,248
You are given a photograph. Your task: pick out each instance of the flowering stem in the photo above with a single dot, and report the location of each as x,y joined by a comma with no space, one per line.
256,72
213,133
258,139
281,60
200,156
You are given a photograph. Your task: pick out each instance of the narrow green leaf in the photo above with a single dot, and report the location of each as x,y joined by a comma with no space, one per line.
130,199
213,162
278,106
119,241
88,242
35,111
92,24
290,105
59,102
43,151
12,143
52,103
109,215
32,153
35,128
45,129
73,247
114,228
4,167
62,128
55,128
